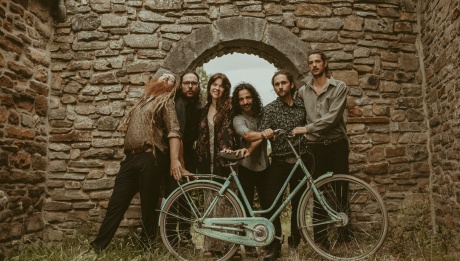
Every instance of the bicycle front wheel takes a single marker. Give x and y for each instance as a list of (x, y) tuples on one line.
[(182, 211), (363, 220)]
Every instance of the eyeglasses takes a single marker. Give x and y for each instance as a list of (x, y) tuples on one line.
[(170, 77), (193, 84)]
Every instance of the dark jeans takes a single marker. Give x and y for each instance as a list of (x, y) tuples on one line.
[(277, 175), (138, 173), (251, 180), (334, 158)]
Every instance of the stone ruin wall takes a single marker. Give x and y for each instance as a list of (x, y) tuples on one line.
[(105, 51), (440, 37), (26, 30)]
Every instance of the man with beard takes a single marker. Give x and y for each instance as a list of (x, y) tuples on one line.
[(152, 143), (247, 108), (325, 101), (286, 113), (188, 110)]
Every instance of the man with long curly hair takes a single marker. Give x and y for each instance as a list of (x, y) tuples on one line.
[(152, 143), (247, 108)]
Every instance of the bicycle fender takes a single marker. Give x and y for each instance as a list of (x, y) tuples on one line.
[(324, 176)]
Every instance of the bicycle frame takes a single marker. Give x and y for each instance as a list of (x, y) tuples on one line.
[(306, 179)]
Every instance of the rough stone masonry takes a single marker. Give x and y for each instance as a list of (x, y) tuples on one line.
[(65, 85)]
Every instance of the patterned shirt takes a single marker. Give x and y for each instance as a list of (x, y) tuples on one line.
[(140, 129), (326, 111), (279, 115), (258, 160)]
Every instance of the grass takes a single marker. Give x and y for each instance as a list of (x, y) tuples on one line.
[(410, 238)]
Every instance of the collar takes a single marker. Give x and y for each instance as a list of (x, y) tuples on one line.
[(332, 82)]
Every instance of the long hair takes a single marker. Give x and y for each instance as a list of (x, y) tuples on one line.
[(323, 57), (223, 104), (288, 76), (256, 100), (162, 93)]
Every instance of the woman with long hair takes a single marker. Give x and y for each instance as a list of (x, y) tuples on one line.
[(215, 135)]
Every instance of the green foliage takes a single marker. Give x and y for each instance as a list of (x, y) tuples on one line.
[(204, 78), (412, 235)]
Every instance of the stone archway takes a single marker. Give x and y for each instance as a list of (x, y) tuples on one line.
[(274, 43)]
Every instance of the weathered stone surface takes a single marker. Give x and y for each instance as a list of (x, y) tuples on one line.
[(313, 10), (72, 136), (143, 27), (321, 36), (107, 123), (142, 66), (82, 22), (113, 20), (38, 56), (98, 184), (87, 36), (141, 41), (148, 16)]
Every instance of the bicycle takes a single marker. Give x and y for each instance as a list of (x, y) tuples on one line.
[(189, 217)]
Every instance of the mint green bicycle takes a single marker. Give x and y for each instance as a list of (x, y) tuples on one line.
[(341, 210)]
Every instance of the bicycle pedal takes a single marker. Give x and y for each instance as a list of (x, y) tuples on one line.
[(281, 238)]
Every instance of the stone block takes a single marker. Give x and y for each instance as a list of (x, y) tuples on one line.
[(85, 22), (148, 16), (10, 230), (143, 27), (38, 56), (67, 195), (142, 66), (107, 123), (113, 20), (19, 133), (376, 169), (98, 154), (141, 41), (103, 78), (408, 62), (350, 77), (89, 46), (76, 136), (98, 184), (319, 36), (163, 5), (312, 10)]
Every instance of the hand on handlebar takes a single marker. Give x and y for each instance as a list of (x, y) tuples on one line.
[(268, 134)]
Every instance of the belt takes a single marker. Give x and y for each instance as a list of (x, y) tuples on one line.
[(325, 142), (145, 148)]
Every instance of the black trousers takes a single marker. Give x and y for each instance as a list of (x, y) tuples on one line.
[(138, 173), (251, 181), (277, 175), (334, 158)]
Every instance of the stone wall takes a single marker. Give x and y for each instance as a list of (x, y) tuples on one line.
[(65, 87), (441, 41), (26, 29), (107, 50)]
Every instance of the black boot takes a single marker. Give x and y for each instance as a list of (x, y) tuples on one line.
[(274, 251), (293, 242)]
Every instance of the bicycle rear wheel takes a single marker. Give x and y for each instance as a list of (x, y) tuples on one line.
[(364, 224), (180, 214)]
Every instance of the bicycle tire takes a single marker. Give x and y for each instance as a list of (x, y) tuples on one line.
[(366, 226), (177, 219)]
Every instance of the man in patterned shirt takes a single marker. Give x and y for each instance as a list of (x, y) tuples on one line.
[(152, 142), (286, 113)]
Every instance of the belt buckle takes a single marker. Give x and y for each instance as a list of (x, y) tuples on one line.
[(327, 142)]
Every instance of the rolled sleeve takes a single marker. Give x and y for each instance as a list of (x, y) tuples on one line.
[(172, 123), (239, 125)]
